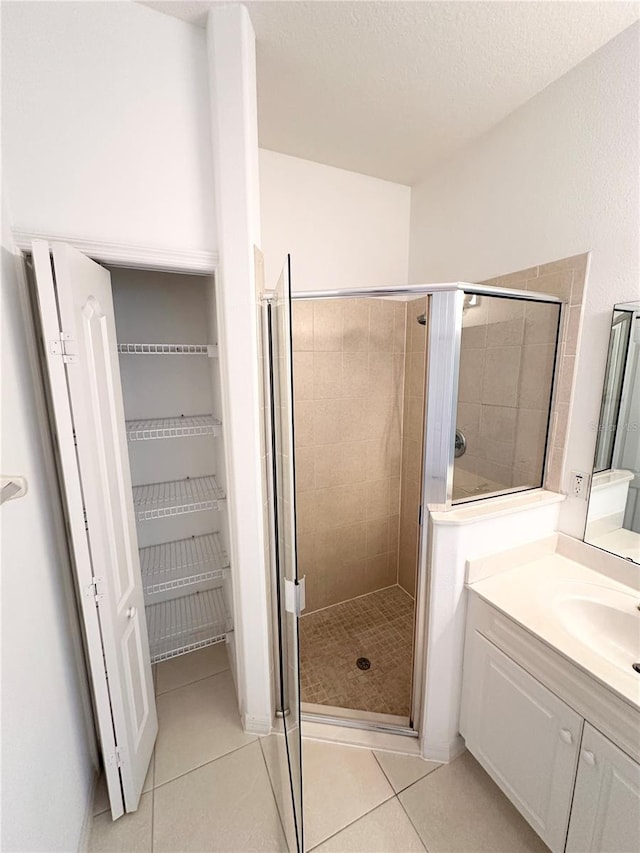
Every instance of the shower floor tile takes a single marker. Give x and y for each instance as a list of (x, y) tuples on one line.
[(377, 626)]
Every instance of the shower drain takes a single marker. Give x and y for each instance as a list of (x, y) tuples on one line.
[(363, 663)]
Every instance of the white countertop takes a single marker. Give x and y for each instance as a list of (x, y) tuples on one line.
[(567, 606)]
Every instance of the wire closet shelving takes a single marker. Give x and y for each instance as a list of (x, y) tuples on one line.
[(182, 563), (169, 349), (177, 427), (188, 623), (175, 497)]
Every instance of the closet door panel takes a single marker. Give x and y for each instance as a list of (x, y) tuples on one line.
[(85, 308)]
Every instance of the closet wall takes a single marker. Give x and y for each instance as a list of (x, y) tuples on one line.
[(175, 439)]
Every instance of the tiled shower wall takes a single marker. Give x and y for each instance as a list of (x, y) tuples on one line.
[(414, 390), (348, 384), (506, 367)]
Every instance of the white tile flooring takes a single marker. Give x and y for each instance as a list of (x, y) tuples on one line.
[(211, 787)]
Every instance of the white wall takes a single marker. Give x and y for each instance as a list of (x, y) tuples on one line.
[(341, 228), (106, 124), (47, 770), (234, 132), (558, 177)]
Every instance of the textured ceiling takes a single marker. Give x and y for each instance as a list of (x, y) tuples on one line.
[(391, 88)]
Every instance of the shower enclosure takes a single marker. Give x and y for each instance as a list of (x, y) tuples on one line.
[(399, 402)]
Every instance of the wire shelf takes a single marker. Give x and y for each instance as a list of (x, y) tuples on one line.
[(184, 624), (173, 565), (194, 494), (151, 428), (169, 349)]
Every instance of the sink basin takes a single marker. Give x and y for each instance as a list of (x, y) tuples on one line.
[(606, 620)]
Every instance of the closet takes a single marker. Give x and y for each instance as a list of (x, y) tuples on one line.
[(169, 368), (135, 405)]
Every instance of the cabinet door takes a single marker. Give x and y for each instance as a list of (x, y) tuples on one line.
[(76, 313), (524, 737), (605, 816)]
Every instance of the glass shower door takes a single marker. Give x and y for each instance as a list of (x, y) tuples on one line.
[(289, 593)]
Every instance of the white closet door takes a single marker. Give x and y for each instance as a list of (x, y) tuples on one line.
[(605, 816), (76, 307)]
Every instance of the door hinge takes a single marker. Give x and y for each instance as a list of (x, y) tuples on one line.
[(420, 515), (65, 346), (95, 589), (116, 757), (294, 596)]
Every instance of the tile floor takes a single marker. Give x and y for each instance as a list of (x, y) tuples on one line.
[(377, 626), (213, 788)]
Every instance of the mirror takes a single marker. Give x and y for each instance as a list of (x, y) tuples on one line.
[(613, 516)]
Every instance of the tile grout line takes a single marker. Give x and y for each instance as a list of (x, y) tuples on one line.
[(195, 681), (422, 841), (275, 799), (204, 764), (351, 823)]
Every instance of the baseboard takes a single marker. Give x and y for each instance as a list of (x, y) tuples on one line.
[(362, 738), (444, 752), (256, 725)]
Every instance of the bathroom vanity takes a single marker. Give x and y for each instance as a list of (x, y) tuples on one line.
[(551, 703)]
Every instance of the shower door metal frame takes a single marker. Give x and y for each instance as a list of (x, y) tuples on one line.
[(446, 302)]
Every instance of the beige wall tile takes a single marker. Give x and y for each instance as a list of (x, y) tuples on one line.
[(573, 330), (381, 322), (565, 383), (378, 537), (399, 327), (305, 469), (328, 325), (556, 283), (354, 419), (303, 375), (472, 365), (355, 333), (530, 440), (304, 422), (536, 376), (302, 331), (381, 375), (540, 323), (327, 375), (355, 374), (559, 433), (500, 377), (326, 421), (498, 423), (516, 279), (575, 262), (505, 322), (377, 499)]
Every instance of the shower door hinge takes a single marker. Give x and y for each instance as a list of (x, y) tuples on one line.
[(294, 597), (66, 347)]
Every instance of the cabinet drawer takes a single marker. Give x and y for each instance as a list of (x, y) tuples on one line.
[(524, 736)]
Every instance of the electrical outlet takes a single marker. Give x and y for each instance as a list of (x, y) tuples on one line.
[(579, 484)]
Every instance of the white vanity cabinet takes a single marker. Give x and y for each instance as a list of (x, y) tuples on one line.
[(534, 721), (606, 805), (524, 736)]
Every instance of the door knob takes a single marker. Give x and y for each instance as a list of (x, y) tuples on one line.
[(566, 735), (131, 612), (588, 757)]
